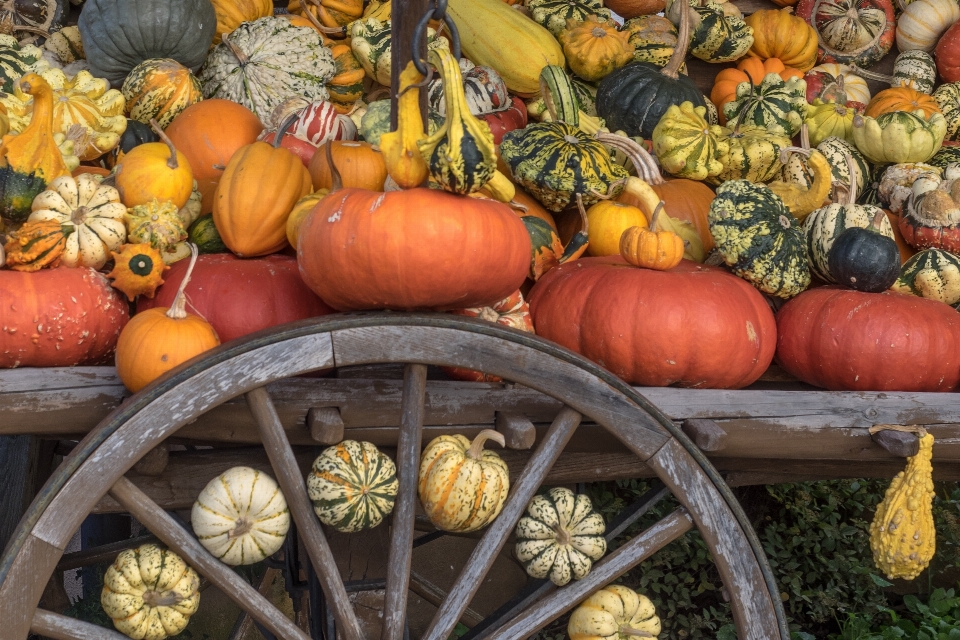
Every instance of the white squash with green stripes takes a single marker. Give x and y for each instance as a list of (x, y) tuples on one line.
[(241, 516), (353, 485), (560, 537), (933, 274), (915, 69)]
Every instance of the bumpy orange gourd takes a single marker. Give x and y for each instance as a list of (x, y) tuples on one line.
[(35, 245), (361, 166), (750, 69), (901, 99), (256, 195), (158, 340), (154, 171), (780, 34), (651, 249)]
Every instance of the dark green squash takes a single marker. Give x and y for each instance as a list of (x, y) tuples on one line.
[(947, 155), (135, 135), (120, 34), (865, 259), (634, 97), (203, 233)]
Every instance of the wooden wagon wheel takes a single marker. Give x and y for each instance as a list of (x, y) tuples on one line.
[(97, 467)]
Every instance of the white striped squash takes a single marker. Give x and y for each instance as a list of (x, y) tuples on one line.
[(241, 516), (923, 22), (353, 485), (150, 593), (560, 536), (463, 487), (915, 69)]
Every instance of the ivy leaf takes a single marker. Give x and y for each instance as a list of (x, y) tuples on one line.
[(880, 582)]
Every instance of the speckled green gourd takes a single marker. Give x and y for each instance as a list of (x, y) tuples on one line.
[(718, 37), (687, 146), (553, 14), (775, 105), (932, 274)]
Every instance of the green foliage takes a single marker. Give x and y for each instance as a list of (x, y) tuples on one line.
[(937, 619)]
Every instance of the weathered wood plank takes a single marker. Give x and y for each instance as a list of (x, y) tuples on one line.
[(54, 625)]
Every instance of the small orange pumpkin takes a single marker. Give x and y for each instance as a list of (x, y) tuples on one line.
[(777, 33), (651, 249), (750, 69), (154, 171), (901, 99), (361, 166), (595, 49), (158, 340)]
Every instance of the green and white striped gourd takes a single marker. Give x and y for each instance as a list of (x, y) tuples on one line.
[(553, 14), (371, 43), (241, 516), (717, 37), (586, 94), (946, 155), (915, 68), (774, 105), (711, 115), (933, 274), (835, 150), (560, 536), (653, 39), (947, 96), (352, 486), (17, 60), (559, 95), (262, 63)]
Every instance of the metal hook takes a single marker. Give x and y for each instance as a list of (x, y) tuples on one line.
[(423, 83), (438, 12)]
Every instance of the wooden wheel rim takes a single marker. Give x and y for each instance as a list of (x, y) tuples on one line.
[(155, 413)]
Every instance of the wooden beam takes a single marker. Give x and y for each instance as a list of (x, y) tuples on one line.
[(705, 433), (519, 432), (325, 424)]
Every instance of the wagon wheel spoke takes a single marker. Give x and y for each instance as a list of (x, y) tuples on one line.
[(401, 536), (162, 524), (294, 489), (486, 551), (607, 570), (54, 625)]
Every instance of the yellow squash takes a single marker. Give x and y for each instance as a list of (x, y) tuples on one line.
[(405, 163), (800, 200)]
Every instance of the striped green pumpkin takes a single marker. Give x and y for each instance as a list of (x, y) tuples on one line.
[(653, 39), (16, 60), (203, 233), (834, 150), (554, 161), (946, 155), (759, 238), (557, 86), (560, 536), (915, 68), (754, 154), (719, 37), (159, 88), (932, 274), (586, 95), (687, 146), (823, 226), (352, 486), (775, 105), (948, 99), (553, 14)]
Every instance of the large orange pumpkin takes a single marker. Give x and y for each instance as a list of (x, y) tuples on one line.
[(691, 326), (901, 99), (412, 249), (256, 194), (361, 165), (58, 317), (208, 134), (750, 69), (846, 340)]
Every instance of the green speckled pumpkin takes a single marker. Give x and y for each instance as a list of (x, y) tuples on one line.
[(775, 105), (16, 60), (933, 274), (718, 37), (688, 146), (553, 14), (352, 486), (946, 155), (554, 161), (948, 99), (915, 68), (754, 154), (759, 238)]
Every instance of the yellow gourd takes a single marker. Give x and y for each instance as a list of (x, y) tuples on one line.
[(608, 220), (615, 612), (405, 163), (801, 201), (902, 534)]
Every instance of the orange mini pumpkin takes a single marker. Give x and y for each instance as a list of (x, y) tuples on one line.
[(901, 99), (361, 166), (651, 249), (780, 34), (750, 69)]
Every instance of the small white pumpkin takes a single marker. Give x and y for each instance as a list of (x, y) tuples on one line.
[(560, 536), (614, 613), (150, 593), (923, 22), (91, 215), (241, 516)]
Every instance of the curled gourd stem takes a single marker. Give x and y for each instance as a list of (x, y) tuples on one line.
[(672, 68), (637, 633), (584, 221), (644, 163), (178, 310), (786, 151), (655, 218), (172, 162), (282, 129), (871, 75), (805, 137), (476, 447), (335, 179)]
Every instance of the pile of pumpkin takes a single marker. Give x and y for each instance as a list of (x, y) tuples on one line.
[(241, 518)]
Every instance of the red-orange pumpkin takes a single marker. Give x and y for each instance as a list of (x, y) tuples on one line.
[(239, 297), (58, 317), (846, 340), (513, 311), (413, 249), (691, 326)]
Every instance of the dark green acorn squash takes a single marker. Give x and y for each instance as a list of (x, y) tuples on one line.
[(759, 238), (203, 233), (634, 97), (865, 259), (120, 34)]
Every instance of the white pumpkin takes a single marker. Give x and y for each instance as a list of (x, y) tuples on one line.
[(923, 22), (91, 213), (241, 517), (150, 593), (855, 86), (560, 536), (614, 613)]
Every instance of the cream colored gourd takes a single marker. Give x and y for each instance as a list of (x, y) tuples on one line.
[(463, 487), (614, 613), (923, 22), (90, 214), (241, 516), (352, 486), (150, 593)]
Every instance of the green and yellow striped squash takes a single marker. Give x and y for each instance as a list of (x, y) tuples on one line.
[(150, 593), (915, 69), (653, 38), (554, 161), (754, 154), (586, 95), (775, 105), (16, 60), (560, 537), (346, 86), (834, 150), (353, 485), (947, 96), (932, 274), (462, 486), (159, 88), (689, 147), (557, 87), (718, 37), (553, 14), (824, 226), (66, 44), (946, 155), (759, 238), (203, 233)]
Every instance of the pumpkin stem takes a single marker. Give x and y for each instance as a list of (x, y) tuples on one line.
[(805, 136), (336, 180), (161, 598), (644, 163), (637, 633), (878, 219), (178, 310), (852, 188), (235, 50), (476, 447), (786, 151), (584, 222), (243, 527), (672, 69), (655, 218), (172, 162), (563, 536), (282, 129)]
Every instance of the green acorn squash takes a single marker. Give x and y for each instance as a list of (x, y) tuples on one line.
[(687, 146), (553, 14), (759, 239), (900, 136), (932, 274), (775, 105), (716, 37), (947, 96), (203, 233)]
